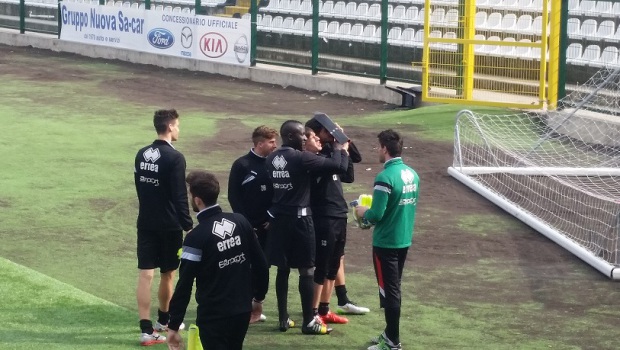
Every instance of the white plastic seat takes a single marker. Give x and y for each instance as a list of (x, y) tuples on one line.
[(368, 35), (398, 14), (412, 14), (168, 9), (524, 4), (159, 8), (616, 36), (326, 9), (293, 7), (537, 5), (524, 24), (283, 6), (420, 18), (573, 52), (287, 25), (509, 22), (374, 12), (307, 30), (537, 25), (573, 7), (344, 30), (507, 51), (177, 9), (350, 10), (394, 35), (332, 29), (322, 25), (479, 48), (609, 57), (481, 20), (247, 16), (265, 22), (305, 7), (615, 10), (276, 24), (573, 26), (591, 54), (338, 9), (606, 29), (438, 16), (298, 25), (356, 31), (587, 7), (588, 28), (523, 51), (482, 3), (418, 38), (450, 46), (435, 34), (452, 18), (407, 37), (603, 8), (494, 3), (492, 49), (270, 6), (494, 20), (135, 5), (362, 10)]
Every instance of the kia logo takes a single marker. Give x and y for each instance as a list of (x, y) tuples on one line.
[(160, 38), (213, 45), (241, 49), (187, 37)]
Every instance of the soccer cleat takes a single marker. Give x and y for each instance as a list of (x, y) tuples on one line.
[(378, 339), (262, 318), (351, 309), (316, 326), (383, 343), (158, 327), (151, 339), (331, 317), (285, 325)]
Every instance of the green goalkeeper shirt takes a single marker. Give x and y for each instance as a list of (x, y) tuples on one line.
[(394, 202)]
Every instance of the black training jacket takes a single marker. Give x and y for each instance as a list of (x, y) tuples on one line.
[(249, 188), (327, 197), (159, 175), (289, 170), (223, 255)]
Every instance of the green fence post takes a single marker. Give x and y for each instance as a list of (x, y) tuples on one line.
[(147, 4), (101, 2), (315, 37), (198, 9), (253, 15), (22, 16), (563, 48), (384, 42)]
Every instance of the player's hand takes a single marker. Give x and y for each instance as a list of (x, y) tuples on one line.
[(360, 211), (175, 341), (257, 310)]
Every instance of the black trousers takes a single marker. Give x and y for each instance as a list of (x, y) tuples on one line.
[(224, 333), (389, 264)]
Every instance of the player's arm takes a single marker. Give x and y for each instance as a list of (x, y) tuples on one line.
[(190, 267), (354, 153), (178, 190), (260, 268), (380, 195), (337, 164), (235, 187), (349, 175)]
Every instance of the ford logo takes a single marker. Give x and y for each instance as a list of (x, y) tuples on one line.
[(160, 38), (213, 45)]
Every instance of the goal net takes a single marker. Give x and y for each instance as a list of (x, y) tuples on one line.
[(558, 170)]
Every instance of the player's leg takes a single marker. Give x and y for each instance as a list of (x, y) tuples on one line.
[(335, 249), (170, 244), (277, 246), (147, 262), (345, 305), (323, 246), (238, 328), (388, 269)]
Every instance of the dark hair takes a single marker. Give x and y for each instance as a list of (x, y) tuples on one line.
[(203, 185), (314, 125), (392, 141), (162, 118), (307, 132), (263, 133)]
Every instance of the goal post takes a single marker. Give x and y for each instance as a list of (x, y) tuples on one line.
[(556, 170)]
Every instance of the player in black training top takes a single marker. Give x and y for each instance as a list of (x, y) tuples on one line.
[(249, 187), (159, 174), (291, 242), (223, 255)]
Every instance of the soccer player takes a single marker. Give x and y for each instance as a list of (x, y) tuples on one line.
[(393, 209), (159, 174), (249, 187), (223, 256), (291, 242)]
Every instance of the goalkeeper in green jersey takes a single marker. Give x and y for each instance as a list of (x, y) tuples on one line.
[(393, 208)]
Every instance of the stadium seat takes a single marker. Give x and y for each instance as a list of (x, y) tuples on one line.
[(398, 14), (362, 10), (537, 25), (479, 48), (588, 28), (494, 20), (510, 4), (350, 10), (390, 9), (326, 8), (276, 24), (159, 8), (305, 7), (616, 36), (338, 10), (307, 30), (615, 10), (374, 12), (369, 34), (591, 54), (606, 29), (609, 57), (298, 25), (293, 7), (271, 6), (247, 16), (413, 14), (332, 30), (524, 4), (509, 22), (537, 5), (587, 7), (573, 7), (438, 16), (452, 18), (523, 51), (524, 24), (394, 35), (177, 9), (356, 31), (135, 5), (573, 27), (507, 51), (141, 6), (481, 20), (322, 26), (407, 37), (573, 52), (344, 31), (494, 3), (603, 8), (435, 34), (492, 49), (450, 46), (420, 18), (482, 3), (265, 22), (418, 38), (167, 8)]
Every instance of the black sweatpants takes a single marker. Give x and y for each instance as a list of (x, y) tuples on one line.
[(224, 333)]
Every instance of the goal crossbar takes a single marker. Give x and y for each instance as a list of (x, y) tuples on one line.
[(542, 171), (601, 265)]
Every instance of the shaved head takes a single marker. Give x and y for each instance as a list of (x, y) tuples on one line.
[(292, 132)]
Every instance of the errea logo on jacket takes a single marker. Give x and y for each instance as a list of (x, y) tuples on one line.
[(408, 177), (151, 155)]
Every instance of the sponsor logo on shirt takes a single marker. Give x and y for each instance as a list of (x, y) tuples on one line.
[(239, 259), (223, 228), (149, 180), (151, 155), (407, 176)]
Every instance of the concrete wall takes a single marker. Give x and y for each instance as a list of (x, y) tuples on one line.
[(344, 85)]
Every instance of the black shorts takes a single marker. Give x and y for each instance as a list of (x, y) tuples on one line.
[(224, 333), (331, 237), (389, 264), (159, 249), (290, 242)]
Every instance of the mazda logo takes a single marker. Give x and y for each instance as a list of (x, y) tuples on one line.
[(187, 37)]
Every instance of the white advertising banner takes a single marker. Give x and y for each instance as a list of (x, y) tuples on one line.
[(209, 38)]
